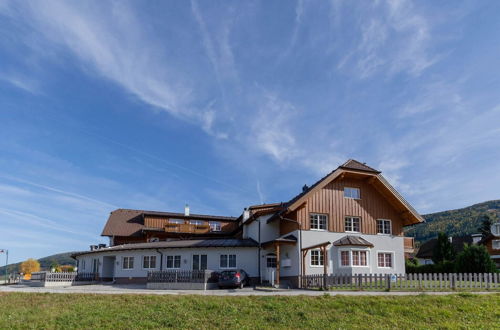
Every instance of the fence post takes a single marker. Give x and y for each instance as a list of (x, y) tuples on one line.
[(453, 281), (388, 279), (360, 281)]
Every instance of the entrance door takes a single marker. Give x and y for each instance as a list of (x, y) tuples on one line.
[(108, 268), (270, 273), (199, 261)]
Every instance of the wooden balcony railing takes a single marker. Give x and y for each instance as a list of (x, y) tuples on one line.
[(187, 228), (409, 244)]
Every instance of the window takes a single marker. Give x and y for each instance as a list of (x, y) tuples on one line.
[(495, 229), (271, 261), (149, 262), (173, 262), (197, 222), (496, 244), (353, 224), (344, 259), (199, 261), (384, 226), (359, 258), (176, 221), (128, 263), (318, 221), (83, 264), (227, 261), (215, 226), (384, 260), (317, 257), (351, 193)]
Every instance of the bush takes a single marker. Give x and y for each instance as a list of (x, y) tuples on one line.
[(474, 259)]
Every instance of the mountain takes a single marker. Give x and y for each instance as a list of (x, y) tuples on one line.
[(458, 222), (45, 262)]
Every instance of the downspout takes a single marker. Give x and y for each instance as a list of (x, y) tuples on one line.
[(161, 259), (259, 261)]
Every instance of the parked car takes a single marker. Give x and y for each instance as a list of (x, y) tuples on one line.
[(233, 278)]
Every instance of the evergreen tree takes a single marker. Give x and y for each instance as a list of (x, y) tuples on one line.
[(485, 228), (443, 251), (475, 259)]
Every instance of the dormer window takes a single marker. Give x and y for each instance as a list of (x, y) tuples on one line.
[(350, 192)]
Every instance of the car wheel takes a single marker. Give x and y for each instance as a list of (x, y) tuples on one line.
[(242, 284)]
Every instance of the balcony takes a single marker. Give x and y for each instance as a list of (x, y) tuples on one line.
[(409, 244), (187, 228)]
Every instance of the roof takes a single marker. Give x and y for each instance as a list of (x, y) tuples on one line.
[(124, 222), (426, 250), (282, 239), (353, 164), (361, 168), (178, 244), (352, 240)]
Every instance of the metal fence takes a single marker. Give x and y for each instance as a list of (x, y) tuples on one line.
[(64, 277), (416, 282), (181, 276)]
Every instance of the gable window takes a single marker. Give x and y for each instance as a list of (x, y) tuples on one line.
[(345, 259), (227, 261), (318, 221), (350, 192), (353, 224), (317, 257), (128, 263), (495, 244), (149, 262), (384, 226), (215, 226), (495, 229), (173, 262), (384, 260)]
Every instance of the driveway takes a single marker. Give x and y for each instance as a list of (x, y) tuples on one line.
[(249, 291)]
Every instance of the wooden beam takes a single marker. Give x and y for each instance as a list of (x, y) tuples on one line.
[(316, 246), (325, 260)]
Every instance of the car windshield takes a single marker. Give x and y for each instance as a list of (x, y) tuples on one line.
[(229, 273)]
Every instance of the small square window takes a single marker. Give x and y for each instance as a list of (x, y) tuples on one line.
[(353, 224), (384, 226), (215, 226), (384, 260), (344, 258), (350, 192), (173, 262), (128, 263), (318, 221), (227, 261), (149, 262), (496, 244), (317, 257)]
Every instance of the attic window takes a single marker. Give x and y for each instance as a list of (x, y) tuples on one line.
[(495, 229), (350, 192)]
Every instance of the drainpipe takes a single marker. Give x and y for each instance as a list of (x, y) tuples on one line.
[(161, 259), (259, 257)]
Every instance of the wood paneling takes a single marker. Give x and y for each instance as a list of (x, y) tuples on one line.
[(160, 222), (331, 201)]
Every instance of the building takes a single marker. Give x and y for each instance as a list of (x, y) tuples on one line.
[(350, 221), (492, 243)]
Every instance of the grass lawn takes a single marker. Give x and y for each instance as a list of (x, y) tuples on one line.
[(46, 310)]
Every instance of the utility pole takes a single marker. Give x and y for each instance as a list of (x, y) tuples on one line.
[(6, 262)]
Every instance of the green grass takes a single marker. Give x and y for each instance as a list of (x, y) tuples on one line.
[(47, 311)]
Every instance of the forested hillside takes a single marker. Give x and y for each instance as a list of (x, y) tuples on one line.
[(454, 222), (45, 262)]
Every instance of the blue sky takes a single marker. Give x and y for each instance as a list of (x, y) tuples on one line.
[(223, 104)]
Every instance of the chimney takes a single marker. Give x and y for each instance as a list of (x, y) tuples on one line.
[(186, 210), (246, 214), (304, 188), (93, 247), (476, 238)]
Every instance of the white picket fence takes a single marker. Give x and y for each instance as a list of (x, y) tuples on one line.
[(416, 282)]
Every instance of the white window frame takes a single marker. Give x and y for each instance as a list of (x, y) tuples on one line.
[(173, 261), (321, 258), (383, 226), (227, 260), (215, 224), (311, 215), (149, 261), (128, 262), (393, 260), (351, 264), (351, 217), (197, 222), (495, 229), (351, 189), (497, 242)]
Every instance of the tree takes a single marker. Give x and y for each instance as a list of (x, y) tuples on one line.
[(485, 228), (474, 259), (29, 266), (443, 251)]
